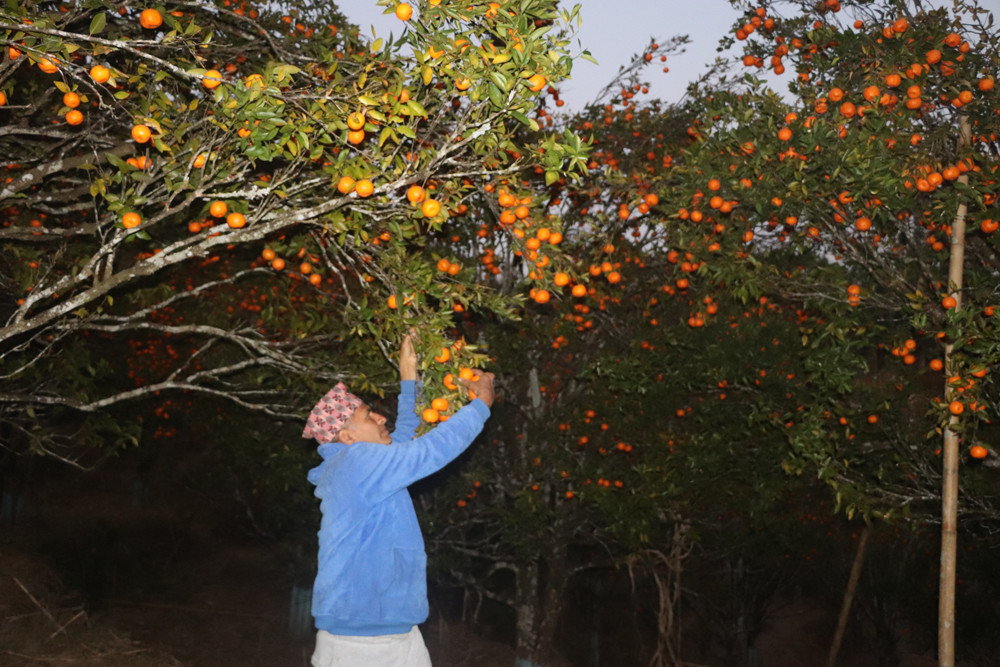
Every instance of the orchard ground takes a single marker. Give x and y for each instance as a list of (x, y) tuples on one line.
[(97, 573)]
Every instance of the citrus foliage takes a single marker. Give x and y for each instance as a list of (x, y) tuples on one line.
[(246, 194)]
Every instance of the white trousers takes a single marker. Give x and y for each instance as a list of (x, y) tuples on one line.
[(405, 650)]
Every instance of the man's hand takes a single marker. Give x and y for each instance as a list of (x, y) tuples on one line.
[(407, 358), (481, 387)]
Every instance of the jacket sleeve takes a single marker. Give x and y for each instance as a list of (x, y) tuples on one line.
[(407, 419), (385, 469)]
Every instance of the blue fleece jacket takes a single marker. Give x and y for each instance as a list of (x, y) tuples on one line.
[(372, 570)]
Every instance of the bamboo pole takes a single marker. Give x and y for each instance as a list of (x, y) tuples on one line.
[(845, 607), (949, 450)]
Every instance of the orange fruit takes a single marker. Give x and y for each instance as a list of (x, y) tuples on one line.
[(431, 415), (236, 220), (3, 98), (212, 79), (949, 302), (986, 84), (100, 73), (72, 100), (415, 194), (956, 407), (542, 296), (444, 356), (714, 184), (141, 133), (218, 209), (305, 268), (936, 364), (345, 185), (150, 19), (199, 161), (277, 264), (47, 66), (443, 265), (430, 208), (978, 452), (131, 219), (364, 187), (440, 404), (267, 254), (356, 120), (536, 82), (74, 117), (315, 279), (784, 134), (355, 137), (404, 11), (579, 291), (900, 26), (561, 279), (863, 224)]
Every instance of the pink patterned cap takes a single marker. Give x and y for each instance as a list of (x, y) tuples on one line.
[(330, 414)]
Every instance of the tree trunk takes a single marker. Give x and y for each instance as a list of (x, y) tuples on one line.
[(845, 608), (949, 450), (540, 588)]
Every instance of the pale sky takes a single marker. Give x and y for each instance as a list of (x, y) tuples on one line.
[(613, 30)]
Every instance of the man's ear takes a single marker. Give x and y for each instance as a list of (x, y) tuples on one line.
[(346, 436)]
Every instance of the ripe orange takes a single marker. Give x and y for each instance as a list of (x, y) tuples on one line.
[(430, 208), (72, 100), (212, 79), (949, 302), (305, 268), (986, 84), (100, 73), (47, 66), (150, 19), (267, 254), (74, 117), (236, 220), (714, 184), (956, 407), (863, 224), (443, 265), (218, 209), (978, 452), (579, 291), (440, 404), (315, 279), (784, 134), (356, 120), (893, 80), (561, 279), (141, 133), (444, 356), (542, 296), (345, 185), (131, 219), (355, 137), (989, 226), (364, 187), (900, 26), (415, 194), (199, 161), (277, 264), (3, 98), (536, 82), (431, 415), (936, 364), (404, 11)]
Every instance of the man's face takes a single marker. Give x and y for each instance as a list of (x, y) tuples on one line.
[(365, 426)]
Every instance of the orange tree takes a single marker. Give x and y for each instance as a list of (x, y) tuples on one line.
[(838, 204), (228, 200), (852, 195)]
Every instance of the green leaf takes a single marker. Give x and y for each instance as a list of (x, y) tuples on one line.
[(97, 23)]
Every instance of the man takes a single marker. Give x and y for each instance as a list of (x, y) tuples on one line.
[(370, 591)]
